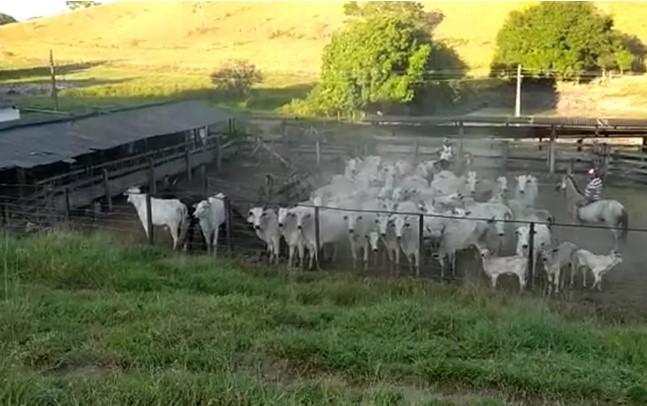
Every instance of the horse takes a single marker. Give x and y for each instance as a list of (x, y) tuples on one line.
[(610, 212)]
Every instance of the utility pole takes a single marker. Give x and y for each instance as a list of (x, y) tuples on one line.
[(517, 102), (52, 72)]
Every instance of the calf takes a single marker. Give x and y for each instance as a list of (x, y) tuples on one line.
[(287, 222), (170, 213), (265, 224), (554, 261), (211, 215), (497, 266), (598, 264)]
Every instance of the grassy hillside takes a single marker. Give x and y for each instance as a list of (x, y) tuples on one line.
[(88, 321), (158, 49)]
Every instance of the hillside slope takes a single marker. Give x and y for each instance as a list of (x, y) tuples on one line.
[(279, 37)]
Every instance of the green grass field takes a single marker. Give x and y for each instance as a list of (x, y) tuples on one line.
[(89, 321)]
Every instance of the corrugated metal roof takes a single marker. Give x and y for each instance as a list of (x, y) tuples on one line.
[(29, 145)]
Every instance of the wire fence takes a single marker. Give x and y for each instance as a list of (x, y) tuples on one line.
[(238, 237)]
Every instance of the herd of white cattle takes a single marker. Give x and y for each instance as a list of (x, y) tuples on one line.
[(382, 206)]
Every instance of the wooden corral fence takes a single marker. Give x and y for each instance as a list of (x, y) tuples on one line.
[(537, 146)]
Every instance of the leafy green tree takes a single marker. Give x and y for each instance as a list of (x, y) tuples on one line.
[(79, 4), (558, 39), (6, 19), (381, 59), (625, 59)]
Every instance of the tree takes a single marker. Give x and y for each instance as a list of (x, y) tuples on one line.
[(556, 39), (6, 19), (236, 78), (625, 59), (406, 9), (80, 4), (382, 59)]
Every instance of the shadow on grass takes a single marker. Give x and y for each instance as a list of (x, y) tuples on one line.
[(39, 71), (79, 99)]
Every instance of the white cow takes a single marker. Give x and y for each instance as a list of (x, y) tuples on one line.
[(332, 229), (211, 214), (287, 222), (170, 213), (266, 225), (454, 234), (598, 264), (406, 226), (542, 241), (360, 225)]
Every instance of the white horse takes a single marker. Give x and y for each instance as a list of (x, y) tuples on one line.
[(610, 212)]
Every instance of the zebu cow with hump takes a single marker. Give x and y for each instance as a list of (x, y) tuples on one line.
[(170, 213), (266, 226), (287, 222), (211, 215)]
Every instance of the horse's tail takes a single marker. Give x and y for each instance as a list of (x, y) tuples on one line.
[(624, 224)]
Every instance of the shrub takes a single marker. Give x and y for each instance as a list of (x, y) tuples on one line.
[(236, 78)]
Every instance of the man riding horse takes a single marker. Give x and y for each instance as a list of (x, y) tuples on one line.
[(593, 191)]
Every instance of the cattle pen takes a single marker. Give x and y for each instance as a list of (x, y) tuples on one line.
[(299, 155)]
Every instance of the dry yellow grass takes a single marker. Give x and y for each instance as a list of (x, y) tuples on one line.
[(279, 37), (175, 45)]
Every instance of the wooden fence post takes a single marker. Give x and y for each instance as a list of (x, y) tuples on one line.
[(6, 215), (317, 236), (187, 157), (506, 155), (205, 180), (218, 153), (318, 152), (551, 150), (421, 251), (106, 189), (152, 182), (228, 211), (67, 204), (461, 136), (531, 254), (22, 181), (149, 219)]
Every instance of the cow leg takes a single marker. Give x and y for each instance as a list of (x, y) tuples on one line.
[(584, 269), (365, 253), (397, 261), (573, 271), (174, 236), (300, 251), (556, 279), (290, 255), (353, 251), (417, 263)]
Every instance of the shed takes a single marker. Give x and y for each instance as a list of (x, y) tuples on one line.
[(33, 150)]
